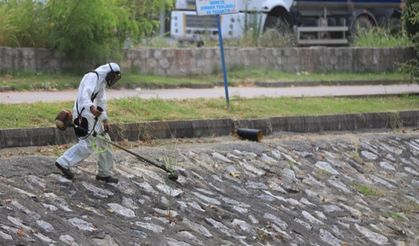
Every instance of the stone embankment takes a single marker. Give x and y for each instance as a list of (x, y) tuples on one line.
[(347, 189), (174, 62)]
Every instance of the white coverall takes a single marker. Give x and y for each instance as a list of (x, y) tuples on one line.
[(89, 85)]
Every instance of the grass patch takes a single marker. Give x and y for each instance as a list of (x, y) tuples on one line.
[(395, 215), (408, 207), (355, 155), (139, 110), (39, 81), (268, 75), (367, 190), (323, 174), (381, 38), (55, 81)]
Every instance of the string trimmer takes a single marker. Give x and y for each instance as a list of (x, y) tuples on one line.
[(172, 173)]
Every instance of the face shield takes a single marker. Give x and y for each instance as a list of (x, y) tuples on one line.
[(112, 77)]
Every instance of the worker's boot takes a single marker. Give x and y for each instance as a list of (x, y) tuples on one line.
[(66, 172), (108, 179)]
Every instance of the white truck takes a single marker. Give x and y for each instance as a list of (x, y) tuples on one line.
[(326, 22)]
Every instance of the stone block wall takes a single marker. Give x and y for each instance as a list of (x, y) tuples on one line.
[(207, 60), (33, 59)]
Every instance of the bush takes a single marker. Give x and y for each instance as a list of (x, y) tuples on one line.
[(7, 30), (273, 38), (411, 22), (411, 17), (146, 13), (93, 30), (21, 24)]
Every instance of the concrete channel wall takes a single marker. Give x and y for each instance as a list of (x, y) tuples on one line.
[(217, 127), (207, 61)]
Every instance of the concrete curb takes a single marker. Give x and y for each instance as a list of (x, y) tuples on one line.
[(280, 84), (331, 83), (216, 127)]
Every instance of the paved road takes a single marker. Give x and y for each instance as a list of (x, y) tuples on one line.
[(248, 92)]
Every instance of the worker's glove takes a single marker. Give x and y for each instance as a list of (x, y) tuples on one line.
[(95, 111)]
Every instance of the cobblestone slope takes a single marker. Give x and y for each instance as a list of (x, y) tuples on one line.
[(353, 189)]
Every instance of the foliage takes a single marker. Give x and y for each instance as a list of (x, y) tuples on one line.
[(367, 190), (255, 36), (84, 30), (145, 13), (273, 38), (159, 42), (94, 29), (411, 17), (381, 38), (411, 22), (21, 23), (396, 215), (252, 29), (7, 30)]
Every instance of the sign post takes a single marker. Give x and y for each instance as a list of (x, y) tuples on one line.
[(217, 8), (223, 63)]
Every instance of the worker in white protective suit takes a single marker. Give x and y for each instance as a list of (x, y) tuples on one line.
[(90, 118)]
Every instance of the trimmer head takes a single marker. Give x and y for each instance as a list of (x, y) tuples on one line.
[(173, 175)]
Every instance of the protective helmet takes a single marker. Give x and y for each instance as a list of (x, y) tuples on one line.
[(113, 75)]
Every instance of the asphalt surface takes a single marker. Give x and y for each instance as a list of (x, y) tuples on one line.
[(217, 92)]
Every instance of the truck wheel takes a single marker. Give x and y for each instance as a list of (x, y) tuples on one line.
[(362, 23), (278, 23)]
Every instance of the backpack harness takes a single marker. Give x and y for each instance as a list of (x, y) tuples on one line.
[(80, 122)]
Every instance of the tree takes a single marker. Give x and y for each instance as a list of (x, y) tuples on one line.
[(146, 13), (94, 29)]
